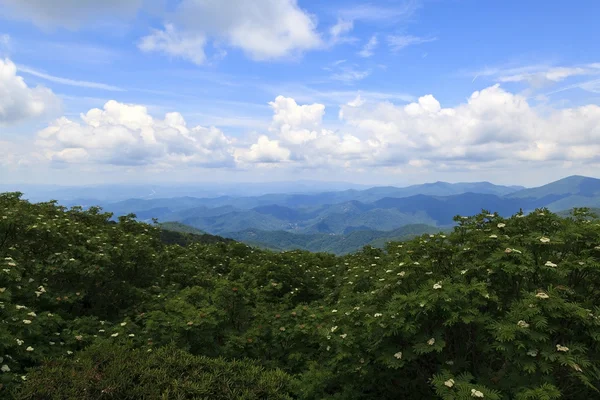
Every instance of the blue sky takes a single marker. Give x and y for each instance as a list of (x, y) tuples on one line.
[(394, 92)]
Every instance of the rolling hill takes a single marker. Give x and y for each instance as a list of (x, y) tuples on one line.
[(336, 244), (323, 219)]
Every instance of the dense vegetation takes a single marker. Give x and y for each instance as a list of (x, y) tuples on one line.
[(501, 308)]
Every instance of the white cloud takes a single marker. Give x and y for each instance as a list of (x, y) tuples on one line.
[(350, 75), (264, 29), (70, 14), (398, 42), (265, 151), (338, 30), (369, 47), (185, 45), (294, 123), (372, 13), (125, 134), (539, 75), (493, 126), (493, 130), (299, 129), (19, 102), (69, 82)]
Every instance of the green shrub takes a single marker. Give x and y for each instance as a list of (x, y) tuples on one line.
[(109, 371)]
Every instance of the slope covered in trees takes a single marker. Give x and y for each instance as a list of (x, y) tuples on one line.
[(501, 308)]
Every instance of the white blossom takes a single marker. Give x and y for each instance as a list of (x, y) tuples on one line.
[(550, 264), (5, 368), (431, 342), (561, 348), (522, 324), (29, 348), (542, 295), (398, 355), (449, 383), (544, 240), (501, 225), (476, 393), (438, 285)]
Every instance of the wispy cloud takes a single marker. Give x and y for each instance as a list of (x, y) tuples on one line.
[(398, 42), (538, 75), (350, 75), (590, 86), (307, 94), (338, 31), (4, 40), (69, 82), (377, 13), (368, 49)]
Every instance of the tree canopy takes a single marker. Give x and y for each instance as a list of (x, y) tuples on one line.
[(500, 308)]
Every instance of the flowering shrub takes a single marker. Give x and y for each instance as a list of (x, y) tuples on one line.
[(502, 308)]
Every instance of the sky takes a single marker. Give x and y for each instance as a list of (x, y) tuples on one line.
[(374, 92)]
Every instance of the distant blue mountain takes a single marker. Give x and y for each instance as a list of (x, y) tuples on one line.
[(347, 212)]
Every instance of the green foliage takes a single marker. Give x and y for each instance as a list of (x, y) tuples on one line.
[(183, 235), (497, 309), (108, 370)]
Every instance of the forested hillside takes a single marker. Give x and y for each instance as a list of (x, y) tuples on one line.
[(500, 308), (336, 244), (284, 221)]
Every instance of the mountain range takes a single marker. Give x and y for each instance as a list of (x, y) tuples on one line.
[(339, 221)]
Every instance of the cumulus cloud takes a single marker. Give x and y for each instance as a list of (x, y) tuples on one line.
[(299, 129), (296, 124), (125, 134), (264, 29), (492, 129), (264, 151), (493, 125), (69, 13), (19, 102)]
